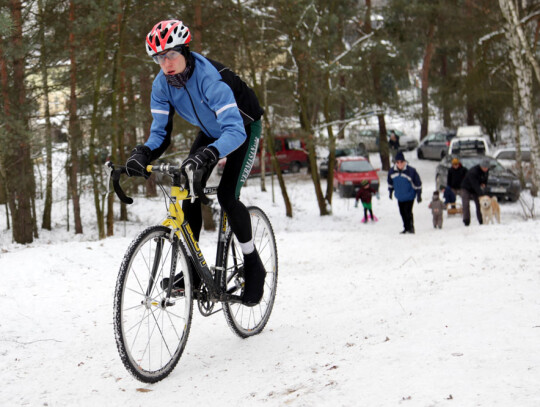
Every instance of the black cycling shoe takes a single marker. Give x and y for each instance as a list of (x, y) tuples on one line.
[(178, 285), (254, 275)]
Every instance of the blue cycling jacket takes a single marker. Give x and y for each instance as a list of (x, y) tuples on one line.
[(206, 101), (406, 184)]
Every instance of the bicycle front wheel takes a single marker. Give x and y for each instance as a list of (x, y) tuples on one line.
[(152, 328), (248, 321)]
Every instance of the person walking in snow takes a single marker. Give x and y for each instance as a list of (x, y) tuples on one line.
[(437, 209), (405, 183), (364, 194), (393, 143)]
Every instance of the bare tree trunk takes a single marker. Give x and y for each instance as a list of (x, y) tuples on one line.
[(75, 135), (117, 136), (428, 54), (511, 15), (383, 135), (146, 90), (121, 130), (17, 163), (447, 117), (258, 88), (341, 133), (517, 136), (206, 211), (46, 222), (303, 85), (331, 141), (277, 168), (523, 74), (376, 78), (469, 109), (95, 175), (197, 26), (266, 132)]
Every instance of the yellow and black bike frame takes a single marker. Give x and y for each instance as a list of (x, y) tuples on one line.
[(180, 227)]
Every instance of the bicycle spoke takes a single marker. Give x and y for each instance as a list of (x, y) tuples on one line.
[(133, 307), (247, 321), (139, 324), (151, 330)]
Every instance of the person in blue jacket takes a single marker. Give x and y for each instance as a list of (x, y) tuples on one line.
[(405, 183), (212, 97)]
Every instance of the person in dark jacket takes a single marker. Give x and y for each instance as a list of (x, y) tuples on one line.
[(364, 194), (393, 143), (472, 187), (456, 173), (405, 183), (212, 97)]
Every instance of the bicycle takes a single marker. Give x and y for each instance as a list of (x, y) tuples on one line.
[(152, 317)]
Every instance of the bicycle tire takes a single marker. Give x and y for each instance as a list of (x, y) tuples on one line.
[(150, 334), (248, 321)]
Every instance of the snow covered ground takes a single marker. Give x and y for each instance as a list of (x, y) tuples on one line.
[(364, 316)]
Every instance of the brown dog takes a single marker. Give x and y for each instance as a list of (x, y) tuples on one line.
[(489, 206)]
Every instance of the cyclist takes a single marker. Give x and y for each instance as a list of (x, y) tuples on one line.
[(208, 95)]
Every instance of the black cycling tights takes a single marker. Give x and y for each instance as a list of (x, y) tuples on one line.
[(237, 213)]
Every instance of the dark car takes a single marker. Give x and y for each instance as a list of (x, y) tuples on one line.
[(502, 183), (435, 145), (341, 152), (369, 139)]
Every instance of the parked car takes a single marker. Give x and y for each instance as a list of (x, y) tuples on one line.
[(342, 152), (435, 145), (507, 157), (502, 183), (350, 172), (469, 145), (290, 152), (369, 139), (470, 131)]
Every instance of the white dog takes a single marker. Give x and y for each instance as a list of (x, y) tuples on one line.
[(489, 206)]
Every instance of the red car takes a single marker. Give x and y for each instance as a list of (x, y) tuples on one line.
[(290, 152), (350, 172)]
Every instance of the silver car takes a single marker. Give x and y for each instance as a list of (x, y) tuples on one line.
[(368, 139), (435, 145)]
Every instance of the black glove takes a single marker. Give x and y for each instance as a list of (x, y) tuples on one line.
[(204, 157), (390, 194), (418, 198), (137, 162)]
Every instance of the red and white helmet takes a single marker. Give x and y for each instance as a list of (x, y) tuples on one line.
[(167, 35)]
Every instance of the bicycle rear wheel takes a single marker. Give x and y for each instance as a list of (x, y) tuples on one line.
[(248, 321), (151, 329)]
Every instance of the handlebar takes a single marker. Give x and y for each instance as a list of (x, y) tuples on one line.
[(115, 176), (194, 178)]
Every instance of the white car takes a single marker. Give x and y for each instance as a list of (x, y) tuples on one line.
[(470, 145)]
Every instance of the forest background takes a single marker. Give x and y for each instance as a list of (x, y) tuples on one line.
[(75, 75)]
